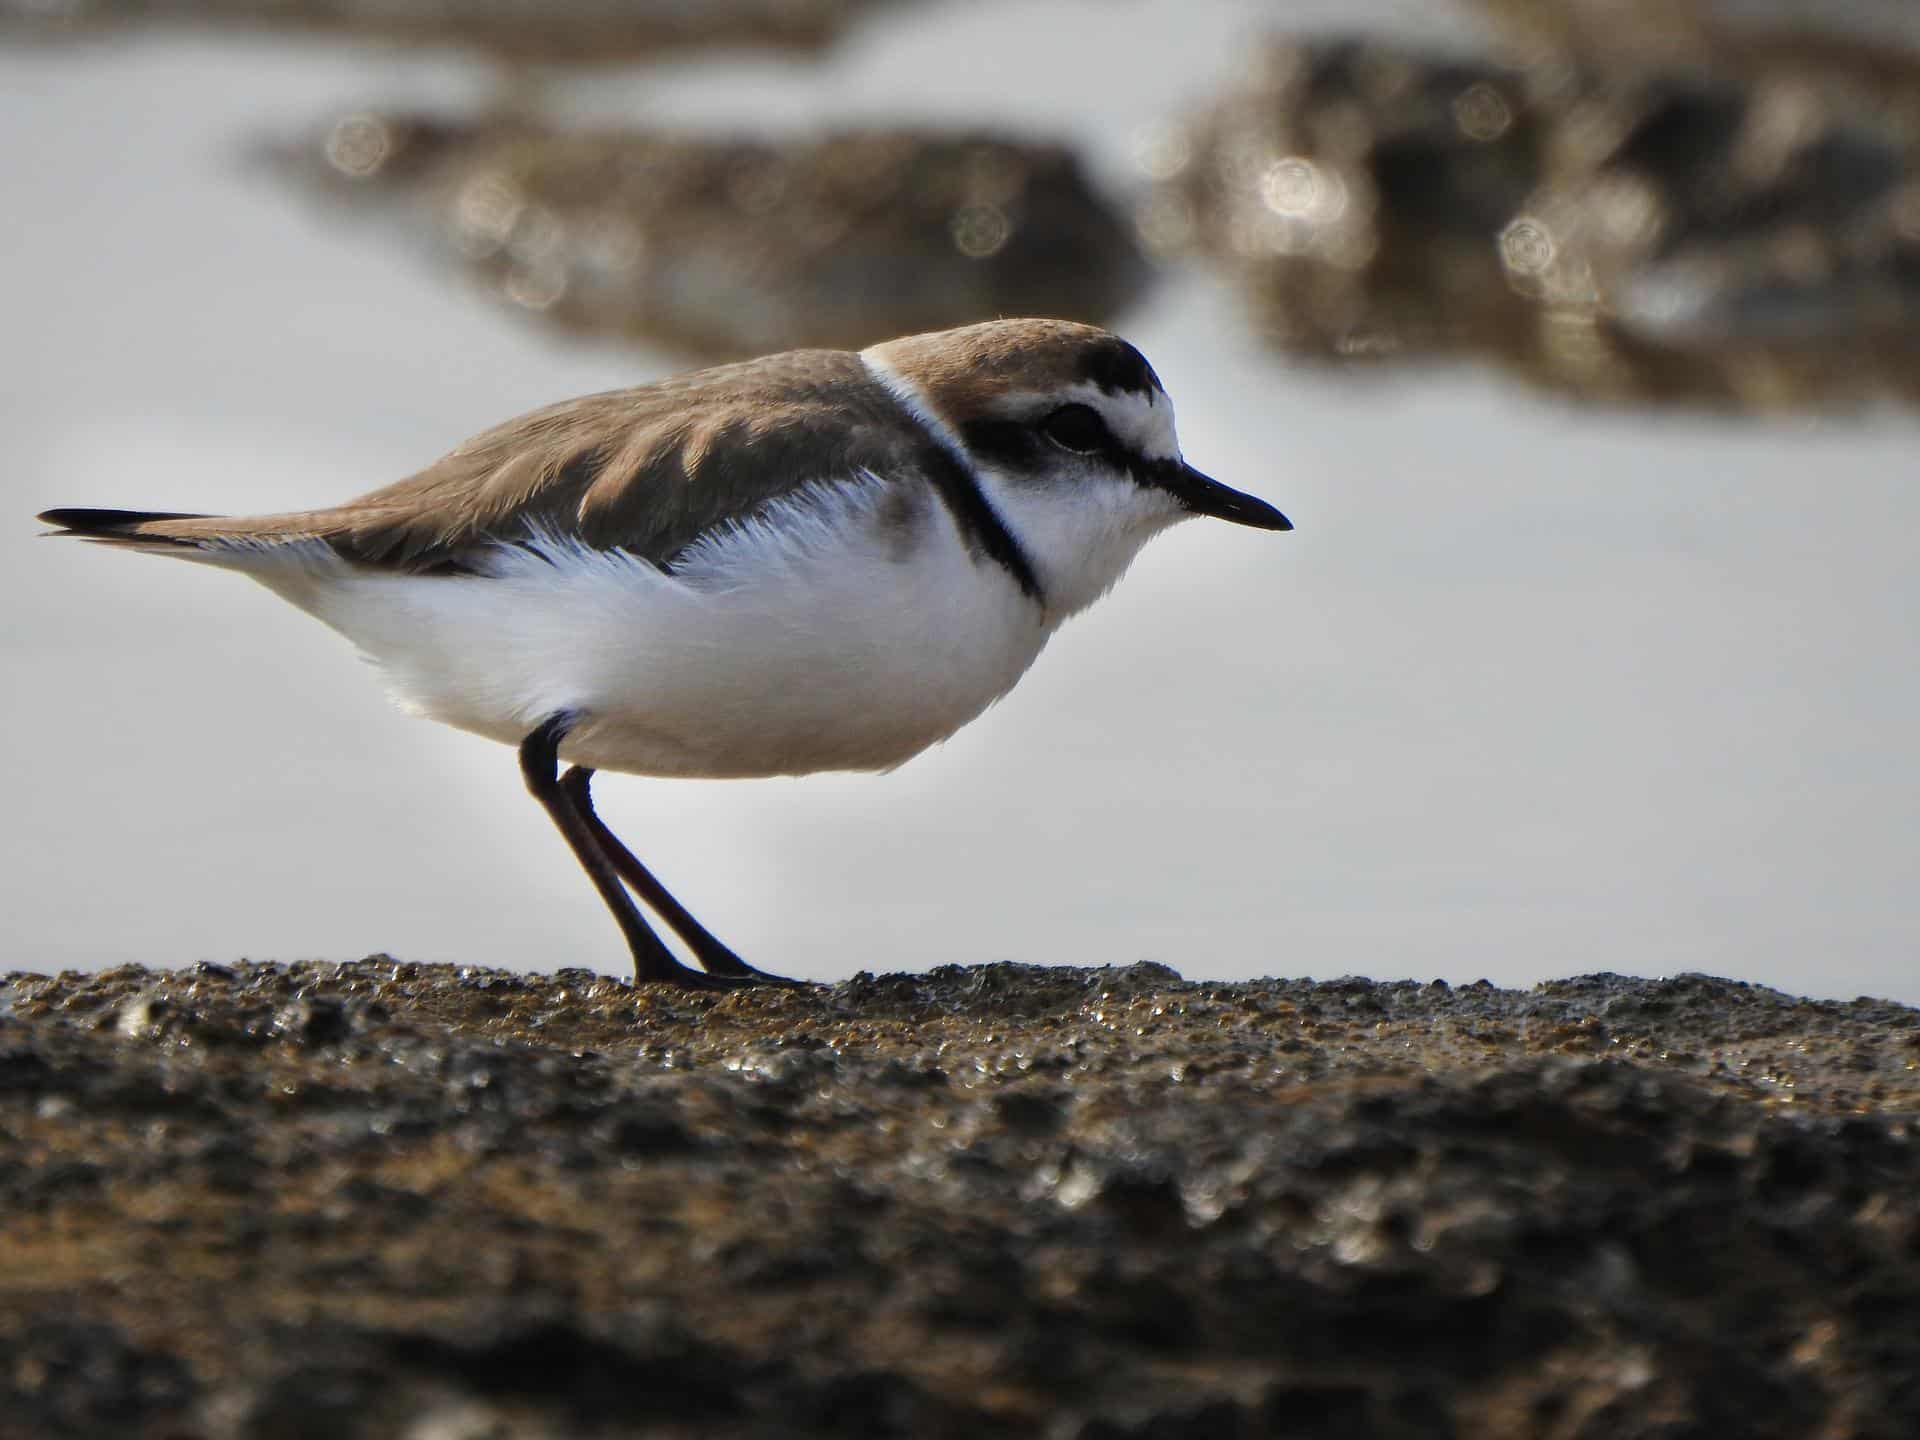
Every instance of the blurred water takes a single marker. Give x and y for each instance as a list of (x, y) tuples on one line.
[(1530, 691)]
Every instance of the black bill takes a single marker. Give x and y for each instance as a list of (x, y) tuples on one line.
[(1204, 496)]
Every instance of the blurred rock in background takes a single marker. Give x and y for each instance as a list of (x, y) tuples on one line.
[(564, 31), (1854, 42), (1709, 201), (729, 248), (1622, 234)]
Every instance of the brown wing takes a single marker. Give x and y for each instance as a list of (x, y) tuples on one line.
[(647, 470)]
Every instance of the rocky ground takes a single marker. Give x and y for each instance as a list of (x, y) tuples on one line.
[(382, 1199)]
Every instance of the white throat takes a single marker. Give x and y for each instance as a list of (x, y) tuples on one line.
[(1080, 537)]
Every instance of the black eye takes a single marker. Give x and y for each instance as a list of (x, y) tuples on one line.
[(1078, 428)]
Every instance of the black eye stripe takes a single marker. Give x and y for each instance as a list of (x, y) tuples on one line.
[(1078, 428), (1003, 442), (1022, 450)]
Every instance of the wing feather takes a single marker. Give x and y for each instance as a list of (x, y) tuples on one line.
[(647, 471)]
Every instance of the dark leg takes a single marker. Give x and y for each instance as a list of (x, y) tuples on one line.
[(708, 950), (540, 764)]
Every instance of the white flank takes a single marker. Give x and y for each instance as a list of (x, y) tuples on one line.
[(822, 633)]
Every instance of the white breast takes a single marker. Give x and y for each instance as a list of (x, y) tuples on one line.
[(844, 628)]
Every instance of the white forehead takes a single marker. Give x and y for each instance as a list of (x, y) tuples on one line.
[(1142, 421)]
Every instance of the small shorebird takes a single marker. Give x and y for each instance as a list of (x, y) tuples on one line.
[(813, 561)]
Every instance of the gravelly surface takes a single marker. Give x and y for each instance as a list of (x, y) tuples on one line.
[(382, 1199)]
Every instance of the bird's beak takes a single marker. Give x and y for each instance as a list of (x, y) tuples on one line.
[(1204, 496)]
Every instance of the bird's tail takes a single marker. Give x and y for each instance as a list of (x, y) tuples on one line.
[(137, 529), (239, 541)]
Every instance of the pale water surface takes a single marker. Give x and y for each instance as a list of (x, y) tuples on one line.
[(1531, 691)]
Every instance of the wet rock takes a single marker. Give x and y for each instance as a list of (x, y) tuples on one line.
[(1124, 1205), (556, 31), (643, 1130), (728, 248), (1741, 238), (313, 1022), (1030, 1111), (74, 1379)]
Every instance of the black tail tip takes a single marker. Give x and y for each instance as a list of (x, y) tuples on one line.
[(80, 520)]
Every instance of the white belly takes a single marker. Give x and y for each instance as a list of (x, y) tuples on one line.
[(829, 634)]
